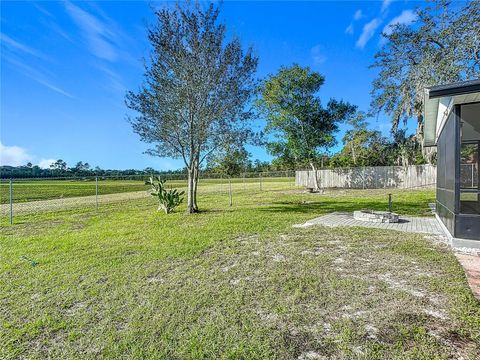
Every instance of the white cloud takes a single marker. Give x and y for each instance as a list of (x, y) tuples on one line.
[(16, 46), (42, 10), (386, 4), (407, 17), (99, 35), (349, 29), (367, 33), (18, 156), (37, 76), (45, 163), (14, 54), (115, 82), (358, 14), (13, 155), (56, 28), (317, 55)]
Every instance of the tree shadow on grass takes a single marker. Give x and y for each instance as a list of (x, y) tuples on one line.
[(323, 207), (202, 211), (342, 206)]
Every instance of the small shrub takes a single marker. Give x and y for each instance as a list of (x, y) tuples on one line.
[(168, 199)]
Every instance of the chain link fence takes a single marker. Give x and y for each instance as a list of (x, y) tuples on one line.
[(23, 197), (39, 195)]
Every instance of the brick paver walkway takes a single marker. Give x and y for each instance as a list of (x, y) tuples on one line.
[(428, 225), (471, 264)]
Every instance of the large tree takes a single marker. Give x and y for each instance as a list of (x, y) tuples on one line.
[(196, 90), (442, 46), (299, 127)]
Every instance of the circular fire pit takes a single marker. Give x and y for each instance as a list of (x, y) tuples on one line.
[(376, 216)]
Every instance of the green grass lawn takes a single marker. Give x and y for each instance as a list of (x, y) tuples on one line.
[(238, 282)]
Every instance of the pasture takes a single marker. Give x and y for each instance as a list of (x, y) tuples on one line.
[(45, 189), (34, 190), (231, 282)]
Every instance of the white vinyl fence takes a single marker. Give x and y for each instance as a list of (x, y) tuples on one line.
[(370, 177)]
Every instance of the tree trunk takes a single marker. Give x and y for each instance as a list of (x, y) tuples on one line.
[(192, 190), (315, 176), (195, 186), (419, 133)]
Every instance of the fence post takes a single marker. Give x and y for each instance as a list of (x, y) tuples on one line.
[(11, 201), (230, 190), (472, 176), (260, 174), (244, 188), (96, 192), (363, 177)]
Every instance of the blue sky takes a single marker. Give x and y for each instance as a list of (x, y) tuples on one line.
[(65, 67)]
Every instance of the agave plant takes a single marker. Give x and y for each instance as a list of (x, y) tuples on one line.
[(168, 199)]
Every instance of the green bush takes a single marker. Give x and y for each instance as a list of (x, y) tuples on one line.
[(168, 199)]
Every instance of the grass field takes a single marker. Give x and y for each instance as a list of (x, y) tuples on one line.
[(236, 282), (35, 190)]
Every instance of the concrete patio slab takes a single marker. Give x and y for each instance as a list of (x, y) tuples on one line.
[(427, 225)]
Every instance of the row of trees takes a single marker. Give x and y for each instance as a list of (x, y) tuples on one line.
[(368, 148), (232, 165), (361, 147), (60, 169), (364, 147)]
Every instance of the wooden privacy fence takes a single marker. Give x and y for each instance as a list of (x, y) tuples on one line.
[(370, 177)]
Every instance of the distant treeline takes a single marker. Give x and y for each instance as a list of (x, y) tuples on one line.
[(361, 147), (60, 169), (367, 148)]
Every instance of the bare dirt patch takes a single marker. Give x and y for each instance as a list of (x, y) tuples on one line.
[(322, 292)]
